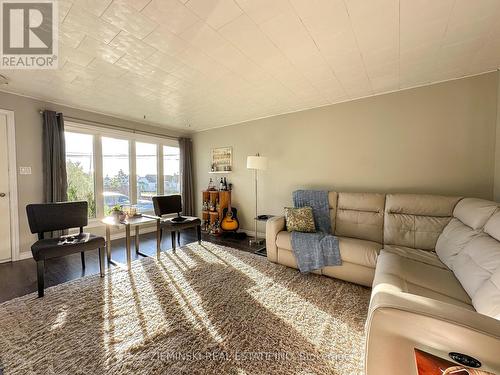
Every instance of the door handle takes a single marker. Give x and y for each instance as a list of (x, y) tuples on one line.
[(2, 195)]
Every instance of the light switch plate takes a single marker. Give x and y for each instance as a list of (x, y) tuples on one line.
[(24, 170)]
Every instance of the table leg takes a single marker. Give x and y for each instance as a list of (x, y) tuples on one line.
[(158, 239), (108, 243), (198, 231), (128, 246), (172, 233), (137, 239)]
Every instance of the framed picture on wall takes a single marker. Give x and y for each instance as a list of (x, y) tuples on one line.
[(222, 159)]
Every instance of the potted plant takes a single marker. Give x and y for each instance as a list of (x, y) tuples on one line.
[(118, 213)]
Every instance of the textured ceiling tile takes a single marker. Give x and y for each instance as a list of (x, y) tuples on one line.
[(96, 7), (171, 14), (101, 50), (129, 44), (129, 19), (216, 13), (165, 41), (91, 25)]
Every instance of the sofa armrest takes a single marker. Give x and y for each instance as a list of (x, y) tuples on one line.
[(273, 226), (400, 322)]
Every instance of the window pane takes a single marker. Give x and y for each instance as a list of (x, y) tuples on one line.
[(147, 177), (171, 170), (80, 168), (115, 168)]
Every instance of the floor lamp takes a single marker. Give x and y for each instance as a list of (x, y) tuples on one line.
[(257, 163)]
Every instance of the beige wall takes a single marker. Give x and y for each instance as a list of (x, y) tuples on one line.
[(435, 139), (497, 154), (29, 148)]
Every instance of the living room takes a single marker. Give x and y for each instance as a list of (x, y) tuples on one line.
[(250, 187)]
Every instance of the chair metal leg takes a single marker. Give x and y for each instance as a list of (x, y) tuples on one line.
[(101, 261), (179, 238), (40, 272), (173, 239), (198, 231), (82, 254)]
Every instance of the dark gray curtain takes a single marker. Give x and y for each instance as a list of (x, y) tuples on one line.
[(55, 184), (186, 171)]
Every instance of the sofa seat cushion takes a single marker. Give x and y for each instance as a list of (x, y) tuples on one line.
[(424, 256), (352, 250), (397, 273)]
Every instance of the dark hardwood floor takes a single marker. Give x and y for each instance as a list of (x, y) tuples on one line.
[(19, 278)]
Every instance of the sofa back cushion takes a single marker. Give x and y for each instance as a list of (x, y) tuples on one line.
[(360, 215), (416, 220), (474, 212), (470, 246), (469, 217), (475, 264)]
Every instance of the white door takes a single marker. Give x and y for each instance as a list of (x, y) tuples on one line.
[(5, 240)]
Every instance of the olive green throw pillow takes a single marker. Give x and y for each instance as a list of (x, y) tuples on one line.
[(299, 219)]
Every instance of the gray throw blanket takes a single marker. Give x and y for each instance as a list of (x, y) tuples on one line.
[(315, 250)]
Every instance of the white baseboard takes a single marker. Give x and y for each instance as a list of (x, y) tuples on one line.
[(25, 255)]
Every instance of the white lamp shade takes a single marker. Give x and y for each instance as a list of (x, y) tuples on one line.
[(257, 162)]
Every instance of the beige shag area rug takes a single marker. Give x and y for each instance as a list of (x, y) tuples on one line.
[(205, 309)]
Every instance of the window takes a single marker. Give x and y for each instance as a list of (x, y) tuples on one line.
[(115, 172), (171, 182), (80, 169), (147, 175), (131, 168)]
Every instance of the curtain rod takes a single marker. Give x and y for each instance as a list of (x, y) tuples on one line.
[(116, 127)]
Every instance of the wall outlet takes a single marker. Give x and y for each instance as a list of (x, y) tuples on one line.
[(24, 170)]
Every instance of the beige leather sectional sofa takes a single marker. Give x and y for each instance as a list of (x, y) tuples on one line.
[(434, 265)]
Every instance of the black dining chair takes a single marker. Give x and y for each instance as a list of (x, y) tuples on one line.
[(172, 204), (50, 217)]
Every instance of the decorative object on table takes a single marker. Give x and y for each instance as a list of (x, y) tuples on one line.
[(130, 211), (49, 217), (222, 159), (299, 219), (257, 163), (117, 213), (229, 221)]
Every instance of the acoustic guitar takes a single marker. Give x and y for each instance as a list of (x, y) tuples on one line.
[(229, 222)]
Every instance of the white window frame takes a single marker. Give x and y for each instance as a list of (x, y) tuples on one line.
[(99, 132)]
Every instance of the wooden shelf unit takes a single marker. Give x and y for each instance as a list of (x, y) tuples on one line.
[(223, 197)]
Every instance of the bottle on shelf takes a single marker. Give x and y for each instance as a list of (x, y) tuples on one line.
[(211, 185)]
